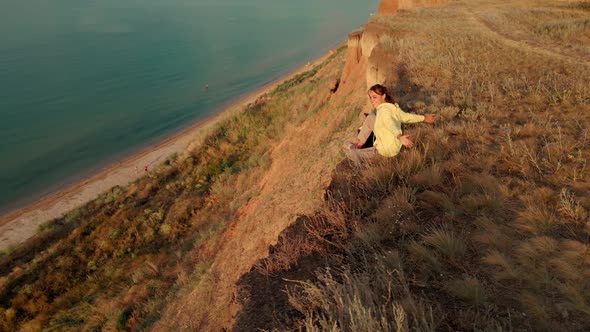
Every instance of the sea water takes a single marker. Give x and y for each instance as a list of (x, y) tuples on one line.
[(84, 83)]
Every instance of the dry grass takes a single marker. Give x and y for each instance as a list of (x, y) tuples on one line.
[(361, 301), (562, 26), (497, 193)]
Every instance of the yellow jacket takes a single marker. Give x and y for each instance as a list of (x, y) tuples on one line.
[(388, 125)]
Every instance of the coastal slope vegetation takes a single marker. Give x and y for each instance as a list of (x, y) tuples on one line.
[(123, 259), (483, 225)]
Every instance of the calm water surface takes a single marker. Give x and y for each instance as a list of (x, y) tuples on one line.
[(84, 83)]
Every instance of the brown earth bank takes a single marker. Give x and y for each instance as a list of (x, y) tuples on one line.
[(388, 7)]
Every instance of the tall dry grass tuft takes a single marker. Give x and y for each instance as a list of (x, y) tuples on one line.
[(396, 207), (429, 178), (491, 234), (537, 217), (506, 270), (373, 299), (468, 289), (438, 205), (569, 207), (447, 243)]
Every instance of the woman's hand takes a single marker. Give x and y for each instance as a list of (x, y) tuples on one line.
[(429, 118), (406, 141)]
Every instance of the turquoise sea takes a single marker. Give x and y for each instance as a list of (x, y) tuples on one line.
[(84, 83)]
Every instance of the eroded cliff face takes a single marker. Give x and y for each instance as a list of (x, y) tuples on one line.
[(363, 62), (355, 64), (387, 7), (374, 39), (367, 57)]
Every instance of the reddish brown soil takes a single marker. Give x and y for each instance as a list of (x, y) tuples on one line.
[(387, 7)]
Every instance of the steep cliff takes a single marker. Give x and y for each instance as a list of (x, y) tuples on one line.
[(366, 52), (388, 7)]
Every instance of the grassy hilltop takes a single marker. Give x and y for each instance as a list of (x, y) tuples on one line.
[(483, 225)]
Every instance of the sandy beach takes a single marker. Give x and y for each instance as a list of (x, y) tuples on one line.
[(19, 225)]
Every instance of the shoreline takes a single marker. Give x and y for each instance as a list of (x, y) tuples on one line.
[(18, 225)]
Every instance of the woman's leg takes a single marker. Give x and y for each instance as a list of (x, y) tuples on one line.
[(358, 155)]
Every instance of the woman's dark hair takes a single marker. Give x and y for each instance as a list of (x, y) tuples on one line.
[(381, 90)]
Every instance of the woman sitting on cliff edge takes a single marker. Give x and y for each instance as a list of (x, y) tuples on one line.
[(388, 126)]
